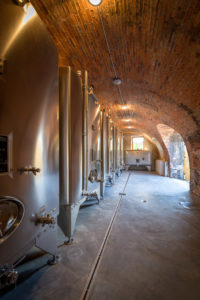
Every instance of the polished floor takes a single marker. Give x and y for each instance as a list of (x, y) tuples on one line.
[(140, 245)]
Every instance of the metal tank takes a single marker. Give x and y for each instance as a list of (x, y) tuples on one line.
[(71, 112), (122, 150), (104, 152), (118, 152), (111, 154), (92, 163), (111, 137), (29, 178), (80, 147), (114, 152)]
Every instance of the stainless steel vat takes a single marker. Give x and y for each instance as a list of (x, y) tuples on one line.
[(122, 150), (80, 147), (70, 107), (111, 151), (92, 164), (111, 142), (29, 181), (94, 145), (118, 151), (104, 151)]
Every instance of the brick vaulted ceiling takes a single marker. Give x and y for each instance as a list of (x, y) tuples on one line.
[(155, 46)]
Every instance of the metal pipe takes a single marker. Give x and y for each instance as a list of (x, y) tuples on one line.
[(114, 148), (108, 128), (102, 144), (83, 138), (85, 133), (64, 131), (122, 148), (70, 88)]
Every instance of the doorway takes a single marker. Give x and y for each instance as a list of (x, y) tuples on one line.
[(179, 166)]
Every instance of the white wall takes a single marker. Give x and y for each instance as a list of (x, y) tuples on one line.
[(131, 157), (149, 147)]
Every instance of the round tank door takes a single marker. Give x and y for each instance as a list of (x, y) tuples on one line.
[(11, 214)]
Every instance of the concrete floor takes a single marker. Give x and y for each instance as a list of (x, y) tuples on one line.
[(153, 250)]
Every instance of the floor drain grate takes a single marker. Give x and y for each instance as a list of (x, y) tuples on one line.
[(190, 205), (143, 200)]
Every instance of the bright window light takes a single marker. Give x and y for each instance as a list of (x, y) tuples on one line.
[(124, 107), (138, 143), (95, 2)]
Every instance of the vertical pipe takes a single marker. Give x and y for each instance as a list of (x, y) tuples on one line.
[(69, 140), (114, 149), (70, 132), (109, 146), (85, 133), (83, 138), (117, 148), (87, 150), (102, 144), (122, 148), (64, 132)]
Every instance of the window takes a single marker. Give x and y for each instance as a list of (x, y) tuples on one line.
[(137, 143)]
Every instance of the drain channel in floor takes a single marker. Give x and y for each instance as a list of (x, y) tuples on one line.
[(103, 245)]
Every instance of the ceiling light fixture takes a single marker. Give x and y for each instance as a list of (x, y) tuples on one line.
[(117, 81), (124, 107), (127, 120), (95, 2)]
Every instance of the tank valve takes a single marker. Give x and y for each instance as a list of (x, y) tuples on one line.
[(8, 276), (93, 176), (29, 169), (46, 220), (100, 180), (91, 196), (12, 276)]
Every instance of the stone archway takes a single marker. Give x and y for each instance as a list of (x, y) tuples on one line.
[(179, 166)]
